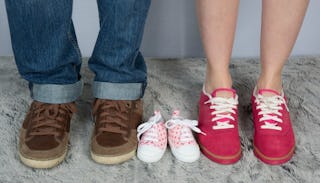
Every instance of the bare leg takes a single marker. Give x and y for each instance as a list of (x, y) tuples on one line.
[(281, 22), (217, 19)]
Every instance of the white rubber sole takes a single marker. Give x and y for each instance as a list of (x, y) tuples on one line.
[(186, 158), (42, 163), (111, 160), (149, 159)]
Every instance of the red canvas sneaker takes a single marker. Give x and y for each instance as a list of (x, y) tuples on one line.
[(218, 119), (274, 141)]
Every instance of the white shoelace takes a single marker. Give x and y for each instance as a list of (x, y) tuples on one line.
[(186, 134), (270, 107), (144, 127), (223, 108)]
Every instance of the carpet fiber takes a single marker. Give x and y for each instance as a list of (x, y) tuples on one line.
[(173, 84)]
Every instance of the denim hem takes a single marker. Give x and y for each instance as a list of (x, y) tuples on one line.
[(56, 94), (118, 91)]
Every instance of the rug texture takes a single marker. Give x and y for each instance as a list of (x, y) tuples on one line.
[(172, 84)]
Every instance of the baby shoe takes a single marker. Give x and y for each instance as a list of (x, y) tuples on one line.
[(152, 136), (181, 140)]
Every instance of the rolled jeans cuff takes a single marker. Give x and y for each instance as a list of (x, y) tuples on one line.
[(118, 91), (56, 94)]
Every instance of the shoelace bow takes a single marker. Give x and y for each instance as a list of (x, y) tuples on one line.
[(144, 127), (269, 109), (223, 108), (111, 116), (186, 126), (50, 119)]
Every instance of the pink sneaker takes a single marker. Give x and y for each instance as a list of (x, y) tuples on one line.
[(218, 118), (153, 142), (182, 143), (274, 141)]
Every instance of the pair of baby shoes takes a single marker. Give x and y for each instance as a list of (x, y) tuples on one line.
[(153, 137)]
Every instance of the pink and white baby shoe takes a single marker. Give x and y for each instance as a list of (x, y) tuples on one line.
[(152, 136), (181, 140)]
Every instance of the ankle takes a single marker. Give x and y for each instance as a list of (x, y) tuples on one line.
[(274, 83), (212, 84), (217, 80)]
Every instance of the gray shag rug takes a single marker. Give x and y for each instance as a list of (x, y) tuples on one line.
[(173, 84)]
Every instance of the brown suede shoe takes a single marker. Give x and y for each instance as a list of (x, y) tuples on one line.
[(114, 138), (45, 133)]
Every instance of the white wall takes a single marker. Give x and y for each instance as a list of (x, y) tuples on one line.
[(172, 31)]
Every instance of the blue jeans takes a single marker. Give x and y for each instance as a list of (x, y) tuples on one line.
[(47, 53)]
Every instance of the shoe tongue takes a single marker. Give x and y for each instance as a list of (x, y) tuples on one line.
[(224, 92), (268, 92)]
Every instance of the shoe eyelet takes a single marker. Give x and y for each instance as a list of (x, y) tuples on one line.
[(128, 104)]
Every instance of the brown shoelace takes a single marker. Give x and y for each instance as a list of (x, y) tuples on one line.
[(50, 119), (111, 116)]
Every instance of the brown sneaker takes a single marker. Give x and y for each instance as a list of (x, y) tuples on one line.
[(45, 133), (114, 138)]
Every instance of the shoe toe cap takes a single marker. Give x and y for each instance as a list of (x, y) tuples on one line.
[(222, 144), (187, 153), (274, 146), (150, 153)]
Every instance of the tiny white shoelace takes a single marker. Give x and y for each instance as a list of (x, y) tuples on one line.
[(144, 127), (187, 125), (270, 107), (223, 108)]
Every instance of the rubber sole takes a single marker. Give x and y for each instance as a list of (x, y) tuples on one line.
[(186, 159), (148, 159), (111, 160), (273, 160), (42, 163), (224, 160)]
